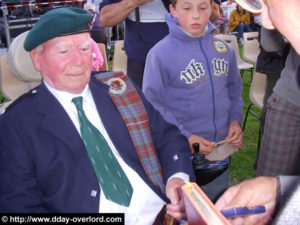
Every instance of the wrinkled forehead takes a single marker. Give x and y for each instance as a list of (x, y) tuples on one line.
[(78, 40)]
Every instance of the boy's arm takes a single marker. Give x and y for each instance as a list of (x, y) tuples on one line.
[(154, 85), (234, 85)]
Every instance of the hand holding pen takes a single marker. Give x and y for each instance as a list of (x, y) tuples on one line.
[(245, 197)]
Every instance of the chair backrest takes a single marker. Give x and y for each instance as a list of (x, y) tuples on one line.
[(257, 89), (120, 58), (4, 105), (250, 47), (17, 73), (102, 49), (232, 41)]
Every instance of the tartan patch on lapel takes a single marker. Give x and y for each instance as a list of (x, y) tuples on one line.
[(134, 114)]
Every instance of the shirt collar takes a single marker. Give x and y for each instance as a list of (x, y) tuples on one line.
[(66, 98)]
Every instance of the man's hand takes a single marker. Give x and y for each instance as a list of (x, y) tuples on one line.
[(137, 3), (250, 193), (176, 208), (203, 144), (112, 14)]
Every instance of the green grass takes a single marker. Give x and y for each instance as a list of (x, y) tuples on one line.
[(241, 164)]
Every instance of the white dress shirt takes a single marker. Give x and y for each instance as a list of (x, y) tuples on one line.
[(145, 203)]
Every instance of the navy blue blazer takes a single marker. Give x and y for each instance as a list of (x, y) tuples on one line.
[(44, 166)]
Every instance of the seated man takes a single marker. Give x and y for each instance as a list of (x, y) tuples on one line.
[(59, 155)]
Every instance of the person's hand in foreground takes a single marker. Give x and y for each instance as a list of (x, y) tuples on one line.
[(250, 193), (176, 208)]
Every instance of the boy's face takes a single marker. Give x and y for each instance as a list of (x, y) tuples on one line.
[(192, 15)]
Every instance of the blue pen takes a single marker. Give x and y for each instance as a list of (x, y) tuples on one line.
[(242, 211)]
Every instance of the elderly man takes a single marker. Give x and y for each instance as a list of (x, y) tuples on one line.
[(70, 145), (281, 195)]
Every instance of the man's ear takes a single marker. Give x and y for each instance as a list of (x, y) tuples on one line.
[(173, 11), (34, 54)]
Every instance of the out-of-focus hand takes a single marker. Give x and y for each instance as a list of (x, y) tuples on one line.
[(235, 135), (176, 208), (250, 193), (203, 144)]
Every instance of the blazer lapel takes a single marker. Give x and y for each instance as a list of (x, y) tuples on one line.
[(113, 121)]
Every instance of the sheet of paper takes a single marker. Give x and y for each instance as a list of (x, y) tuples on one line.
[(221, 152)]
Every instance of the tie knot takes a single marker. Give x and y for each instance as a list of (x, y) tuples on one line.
[(78, 103)]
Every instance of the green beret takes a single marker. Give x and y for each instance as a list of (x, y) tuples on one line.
[(55, 23)]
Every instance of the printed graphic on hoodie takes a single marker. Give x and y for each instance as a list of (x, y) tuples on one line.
[(192, 72), (195, 70)]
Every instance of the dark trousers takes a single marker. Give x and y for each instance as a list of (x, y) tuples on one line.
[(271, 81), (135, 71)]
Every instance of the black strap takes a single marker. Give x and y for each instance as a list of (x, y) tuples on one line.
[(138, 22), (166, 4)]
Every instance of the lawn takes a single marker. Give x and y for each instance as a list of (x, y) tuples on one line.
[(241, 164)]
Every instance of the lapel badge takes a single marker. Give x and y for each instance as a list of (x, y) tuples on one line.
[(116, 86)]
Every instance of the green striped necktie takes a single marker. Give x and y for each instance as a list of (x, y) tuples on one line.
[(113, 181)]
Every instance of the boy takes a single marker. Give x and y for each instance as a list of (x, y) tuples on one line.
[(192, 78)]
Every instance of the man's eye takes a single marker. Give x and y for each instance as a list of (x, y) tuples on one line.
[(85, 49), (63, 51)]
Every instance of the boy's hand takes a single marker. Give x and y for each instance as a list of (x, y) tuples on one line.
[(235, 135), (203, 144)]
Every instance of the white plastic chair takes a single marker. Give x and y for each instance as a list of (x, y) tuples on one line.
[(119, 62), (17, 73), (251, 48), (257, 94), (232, 41)]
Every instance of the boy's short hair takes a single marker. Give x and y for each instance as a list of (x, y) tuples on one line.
[(174, 2)]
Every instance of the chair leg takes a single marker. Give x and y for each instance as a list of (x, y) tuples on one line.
[(245, 120), (242, 73), (258, 146)]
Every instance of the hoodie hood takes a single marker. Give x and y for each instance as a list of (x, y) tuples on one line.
[(176, 30)]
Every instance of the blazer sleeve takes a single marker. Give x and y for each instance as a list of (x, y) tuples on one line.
[(172, 147), (289, 209), (17, 172)]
